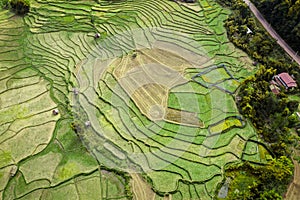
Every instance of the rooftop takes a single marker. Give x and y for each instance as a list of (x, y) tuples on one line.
[(288, 80)]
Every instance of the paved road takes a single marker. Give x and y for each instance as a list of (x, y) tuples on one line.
[(272, 32)]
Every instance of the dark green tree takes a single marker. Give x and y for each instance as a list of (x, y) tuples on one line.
[(270, 194), (3, 3), (20, 7), (284, 16)]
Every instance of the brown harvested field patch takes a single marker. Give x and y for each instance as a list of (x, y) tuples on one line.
[(151, 99), (147, 78), (141, 189), (168, 197), (125, 64), (169, 59), (183, 117)]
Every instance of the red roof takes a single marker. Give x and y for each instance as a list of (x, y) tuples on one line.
[(272, 82), (274, 89), (288, 80)]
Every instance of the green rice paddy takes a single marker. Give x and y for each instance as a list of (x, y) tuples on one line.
[(50, 60)]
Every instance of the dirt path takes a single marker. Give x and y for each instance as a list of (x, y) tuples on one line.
[(272, 32), (141, 189), (293, 192)]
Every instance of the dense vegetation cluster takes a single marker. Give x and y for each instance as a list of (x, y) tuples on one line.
[(258, 44), (284, 17), (20, 7), (260, 182), (272, 115)]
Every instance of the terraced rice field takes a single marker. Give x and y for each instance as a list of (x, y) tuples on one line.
[(129, 95)]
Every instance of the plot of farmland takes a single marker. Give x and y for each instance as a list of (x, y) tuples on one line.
[(127, 101)]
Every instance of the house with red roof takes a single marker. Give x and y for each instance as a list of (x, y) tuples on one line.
[(275, 89), (285, 80)]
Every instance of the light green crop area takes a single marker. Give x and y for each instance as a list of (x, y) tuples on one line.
[(154, 94)]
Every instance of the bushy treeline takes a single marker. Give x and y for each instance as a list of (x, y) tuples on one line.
[(20, 7), (284, 16), (258, 44), (271, 115)]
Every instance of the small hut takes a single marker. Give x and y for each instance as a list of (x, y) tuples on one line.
[(97, 35), (75, 91), (87, 123), (55, 111)]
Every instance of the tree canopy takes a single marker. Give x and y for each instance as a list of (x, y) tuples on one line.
[(20, 7), (250, 181), (284, 16)]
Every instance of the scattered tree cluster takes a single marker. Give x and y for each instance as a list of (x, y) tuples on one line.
[(3, 3), (20, 7), (284, 16), (260, 182)]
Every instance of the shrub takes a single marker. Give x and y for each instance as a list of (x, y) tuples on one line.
[(20, 7), (3, 3)]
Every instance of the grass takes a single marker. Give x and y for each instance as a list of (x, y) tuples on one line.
[(225, 158), (241, 181), (81, 186), (27, 136), (223, 139), (251, 148), (189, 102), (86, 184), (24, 187), (213, 184), (61, 192), (4, 177), (252, 158), (263, 153), (256, 153), (42, 167), (215, 76), (225, 125), (33, 195), (165, 183), (6, 158)]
